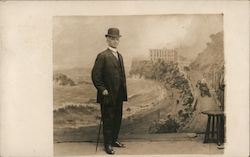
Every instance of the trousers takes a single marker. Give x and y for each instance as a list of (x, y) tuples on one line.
[(112, 117)]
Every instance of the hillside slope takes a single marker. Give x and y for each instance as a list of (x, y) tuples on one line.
[(209, 65), (212, 55)]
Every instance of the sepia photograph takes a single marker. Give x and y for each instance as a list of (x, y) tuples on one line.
[(139, 84), (140, 78)]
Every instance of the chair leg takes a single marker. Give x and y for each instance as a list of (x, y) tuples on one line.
[(213, 118), (218, 130), (207, 130), (223, 129)]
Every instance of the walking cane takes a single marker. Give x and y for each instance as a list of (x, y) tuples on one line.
[(98, 136)]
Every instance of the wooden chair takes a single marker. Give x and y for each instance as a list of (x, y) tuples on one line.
[(215, 127)]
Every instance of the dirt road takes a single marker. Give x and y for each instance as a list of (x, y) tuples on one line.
[(198, 123)]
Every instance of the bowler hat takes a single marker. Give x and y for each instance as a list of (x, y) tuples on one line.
[(113, 32)]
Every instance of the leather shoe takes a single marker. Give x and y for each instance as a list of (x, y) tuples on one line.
[(118, 144), (109, 149)]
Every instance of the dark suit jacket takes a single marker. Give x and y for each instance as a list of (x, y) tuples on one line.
[(106, 75)]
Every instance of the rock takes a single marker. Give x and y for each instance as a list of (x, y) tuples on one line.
[(128, 109), (192, 135), (63, 80)]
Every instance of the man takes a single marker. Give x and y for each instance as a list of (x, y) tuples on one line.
[(108, 76)]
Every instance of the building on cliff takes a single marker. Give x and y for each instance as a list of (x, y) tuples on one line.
[(170, 55)]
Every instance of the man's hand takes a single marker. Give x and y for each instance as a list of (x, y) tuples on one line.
[(105, 92)]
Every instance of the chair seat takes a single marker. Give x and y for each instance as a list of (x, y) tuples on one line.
[(213, 112)]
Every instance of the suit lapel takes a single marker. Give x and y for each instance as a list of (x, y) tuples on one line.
[(113, 59), (121, 60)]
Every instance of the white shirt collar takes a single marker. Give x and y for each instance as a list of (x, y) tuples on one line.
[(114, 52), (112, 49)]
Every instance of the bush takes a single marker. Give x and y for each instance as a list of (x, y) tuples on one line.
[(170, 126)]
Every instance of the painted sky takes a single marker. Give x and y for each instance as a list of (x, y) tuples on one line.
[(78, 39)]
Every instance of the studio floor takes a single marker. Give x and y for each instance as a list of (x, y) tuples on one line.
[(168, 144)]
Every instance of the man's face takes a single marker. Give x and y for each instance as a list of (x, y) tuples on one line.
[(113, 41)]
